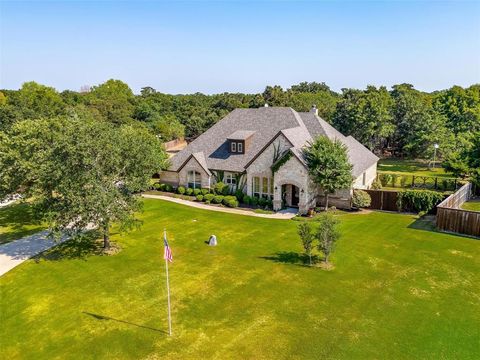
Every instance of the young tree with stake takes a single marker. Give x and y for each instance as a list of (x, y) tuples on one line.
[(306, 235), (327, 234)]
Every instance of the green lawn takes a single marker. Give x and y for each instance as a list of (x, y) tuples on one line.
[(398, 291), (16, 221), (472, 205), (410, 167)]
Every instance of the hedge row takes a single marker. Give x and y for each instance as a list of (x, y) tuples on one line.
[(220, 194)]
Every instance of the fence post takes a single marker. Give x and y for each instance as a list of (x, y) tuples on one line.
[(436, 183), (413, 180), (455, 185)]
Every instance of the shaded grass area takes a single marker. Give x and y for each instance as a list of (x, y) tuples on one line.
[(472, 205), (17, 221), (398, 291), (411, 167)]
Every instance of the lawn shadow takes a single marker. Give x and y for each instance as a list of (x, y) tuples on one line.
[(103, 317), (17, 217), (426, 223), (80, 247), (290, 257)]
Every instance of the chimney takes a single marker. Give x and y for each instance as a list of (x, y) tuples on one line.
[(266, 105), (314, 109)]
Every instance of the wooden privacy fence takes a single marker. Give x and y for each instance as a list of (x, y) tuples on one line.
[(383, 199), (451, 218)]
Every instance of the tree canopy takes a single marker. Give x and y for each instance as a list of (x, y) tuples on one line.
[(402, 121), (79, 172), (328, 165)]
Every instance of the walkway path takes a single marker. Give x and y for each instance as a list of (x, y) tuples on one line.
[(16, 252), (283, 214)]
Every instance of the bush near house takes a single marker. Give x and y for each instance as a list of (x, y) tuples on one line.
[(199, 197), (205, 191), (181, 190), (418, 200), (247, 200), (217, 199), (221, 188), (189, 191), (239, 195), (361, 199), (230, 201), (208, 198), (196, 192)]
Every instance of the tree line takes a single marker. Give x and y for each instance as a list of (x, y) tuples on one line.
[(402, 121)]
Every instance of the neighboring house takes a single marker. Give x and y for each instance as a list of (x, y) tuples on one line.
[(240, 150)]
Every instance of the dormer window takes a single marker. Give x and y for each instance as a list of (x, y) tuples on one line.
[(239, 141)]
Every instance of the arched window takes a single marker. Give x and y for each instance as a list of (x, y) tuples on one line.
[(194, 179)]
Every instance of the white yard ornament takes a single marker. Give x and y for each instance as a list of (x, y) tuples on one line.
[(212, 241)]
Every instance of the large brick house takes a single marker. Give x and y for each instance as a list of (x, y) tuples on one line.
[(242, 148)]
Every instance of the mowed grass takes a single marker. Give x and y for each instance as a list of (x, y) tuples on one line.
[(16, 221), (397, 291), (472, 205), (411, 167)]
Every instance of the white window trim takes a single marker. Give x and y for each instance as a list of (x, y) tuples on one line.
[(233, 147), (240, 147)]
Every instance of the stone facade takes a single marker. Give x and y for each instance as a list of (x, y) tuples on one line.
[(193, 165)]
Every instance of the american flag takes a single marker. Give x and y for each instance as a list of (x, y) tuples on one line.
[(167, 253)]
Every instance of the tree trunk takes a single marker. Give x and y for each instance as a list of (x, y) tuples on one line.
[(106, 236), (326, 201)]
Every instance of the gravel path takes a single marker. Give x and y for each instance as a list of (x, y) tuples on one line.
[(282, 214)]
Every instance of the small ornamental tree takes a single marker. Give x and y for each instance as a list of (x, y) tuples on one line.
[(306, 235), (80, 172), (328, 165), (327, 234)]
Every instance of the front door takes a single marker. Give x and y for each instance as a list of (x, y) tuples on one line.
[(295, 195)]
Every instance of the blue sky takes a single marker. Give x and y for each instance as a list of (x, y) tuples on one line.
[(211, 47)]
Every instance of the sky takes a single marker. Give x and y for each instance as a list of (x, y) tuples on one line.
[(239, 46)]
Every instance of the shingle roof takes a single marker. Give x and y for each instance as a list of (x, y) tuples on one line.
[(262, 125), (241, 134)]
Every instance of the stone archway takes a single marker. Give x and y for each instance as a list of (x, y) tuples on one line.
[(289, 193)]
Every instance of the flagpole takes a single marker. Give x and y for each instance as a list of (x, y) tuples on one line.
[(168, 292)]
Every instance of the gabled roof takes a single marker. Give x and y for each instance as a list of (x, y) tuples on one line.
[(262, 125)]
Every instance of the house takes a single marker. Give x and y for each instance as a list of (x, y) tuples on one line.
[(242, 148)]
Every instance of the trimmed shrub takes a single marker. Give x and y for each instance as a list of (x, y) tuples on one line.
[(262, 202), (189, 191), (269, 203), (208, 197), (168, 188), (418, 200), (247, 200), (217, 199), (254, 200), (230, 201), (196, 192), (204, 191), (385, 179), (361, 199), (181, 190), (156, 186), (199, 197), (376, 185), (221, 188), (239, 195)]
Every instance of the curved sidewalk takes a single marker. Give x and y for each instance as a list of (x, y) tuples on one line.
[(16, 252), (282, 215)]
